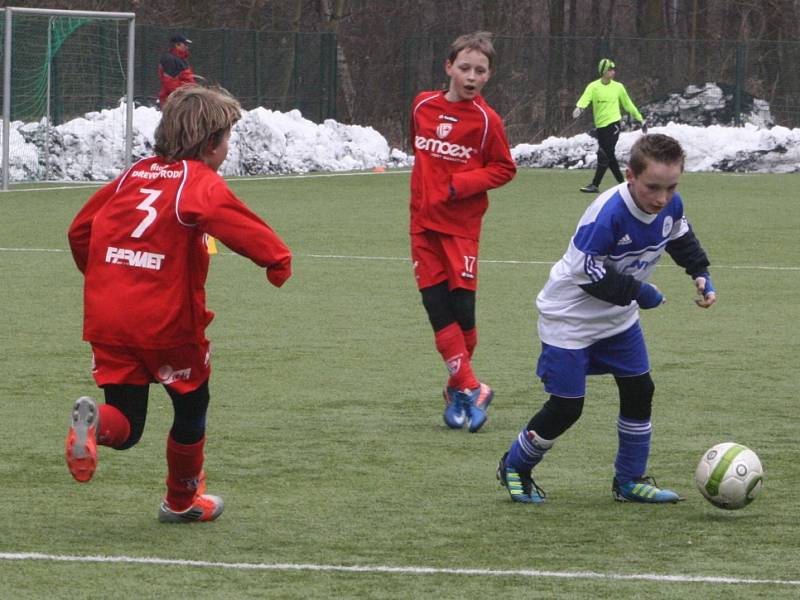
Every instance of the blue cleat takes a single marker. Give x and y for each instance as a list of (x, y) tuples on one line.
[(455, 411), (643, 489), (479, 400), (520, 487)]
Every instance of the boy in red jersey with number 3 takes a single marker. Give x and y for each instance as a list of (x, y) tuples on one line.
[(461, 151), (140, 243)]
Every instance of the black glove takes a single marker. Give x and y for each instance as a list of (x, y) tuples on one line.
[(644, 127)]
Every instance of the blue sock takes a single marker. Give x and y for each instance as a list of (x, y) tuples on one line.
[(634, 448), (527, 451)]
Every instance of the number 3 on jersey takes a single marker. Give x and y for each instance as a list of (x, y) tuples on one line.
[(147, 206)]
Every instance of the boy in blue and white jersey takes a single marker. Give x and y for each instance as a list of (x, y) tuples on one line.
[(589, 318)]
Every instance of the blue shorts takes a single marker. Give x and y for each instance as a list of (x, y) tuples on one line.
[(564, 372)]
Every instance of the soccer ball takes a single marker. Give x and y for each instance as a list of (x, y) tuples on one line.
[(729, 475)]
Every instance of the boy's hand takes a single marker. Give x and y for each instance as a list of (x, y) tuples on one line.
[(278, 274), (649, 296), (705, 288), (577, 112), (644, 126)]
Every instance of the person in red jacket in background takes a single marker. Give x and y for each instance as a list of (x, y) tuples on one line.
[(140, 243), (173, 68), (460, 152)]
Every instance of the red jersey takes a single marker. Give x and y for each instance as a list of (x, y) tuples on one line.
[(173, 72), (460, 152), (140, 242)]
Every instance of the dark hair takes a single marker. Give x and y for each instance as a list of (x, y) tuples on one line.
[(179, 39), (478, 40), (192, 118), (655, 147)]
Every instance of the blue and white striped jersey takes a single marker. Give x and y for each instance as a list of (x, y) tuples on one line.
[(615, 233)]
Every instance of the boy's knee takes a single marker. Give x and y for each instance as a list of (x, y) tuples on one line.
[(556, 416), (131, 403), (462, 302), (189, 423), (636, 396), (436, 300), (602, 158), (133, 438)]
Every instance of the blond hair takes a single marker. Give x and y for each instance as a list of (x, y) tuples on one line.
[(193, 118), (477, 40)]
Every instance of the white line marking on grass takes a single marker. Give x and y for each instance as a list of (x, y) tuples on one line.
[(410, 570), (320, 175), (61, 187), (33, 250), (530, 262), (232, 179), (408, 259)]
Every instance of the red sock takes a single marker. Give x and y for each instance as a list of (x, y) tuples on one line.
[(185, 465), (114, 428), (450, 344), (471, 340)]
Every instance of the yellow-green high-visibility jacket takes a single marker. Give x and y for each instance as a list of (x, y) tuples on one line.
[(606, 100)]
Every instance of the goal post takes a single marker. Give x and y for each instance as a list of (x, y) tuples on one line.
[(49, 60)]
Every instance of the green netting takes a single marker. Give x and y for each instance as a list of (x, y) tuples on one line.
[(64, 67), (71, 65), (35, 88)]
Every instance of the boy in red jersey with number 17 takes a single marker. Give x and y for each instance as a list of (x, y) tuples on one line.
[(140, 244), (460, 152)]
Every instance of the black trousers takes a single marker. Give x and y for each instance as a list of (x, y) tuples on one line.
[(606, 159)]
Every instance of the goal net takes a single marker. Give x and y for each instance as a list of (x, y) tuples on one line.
[(67, 94)]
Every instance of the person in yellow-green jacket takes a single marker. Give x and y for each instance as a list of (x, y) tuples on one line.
[(606, 97)]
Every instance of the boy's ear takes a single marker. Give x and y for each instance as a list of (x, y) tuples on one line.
[(629, 175), (210, 146)]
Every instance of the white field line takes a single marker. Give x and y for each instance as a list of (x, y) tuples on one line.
[(407, 259), (79, 186), (530, 262), (384, 569)]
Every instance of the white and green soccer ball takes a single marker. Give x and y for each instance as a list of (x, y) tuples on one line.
[(729, 475)]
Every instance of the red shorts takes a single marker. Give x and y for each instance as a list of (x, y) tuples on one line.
[(439, 257), (182, 369)]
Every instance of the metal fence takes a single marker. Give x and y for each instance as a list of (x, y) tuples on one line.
[(65, 65), (534, 85), (281, 71), (277, 70)]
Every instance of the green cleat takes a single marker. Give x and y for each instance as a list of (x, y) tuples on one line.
[(644, 490), (520, 487)]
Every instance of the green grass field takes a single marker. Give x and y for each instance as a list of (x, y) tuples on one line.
[(325, 435)]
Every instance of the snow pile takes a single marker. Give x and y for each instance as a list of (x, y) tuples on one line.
[(710, 104), (270, 142), (266, 141), (697, 117), (714, 148), (262, 142), (87, 148)]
